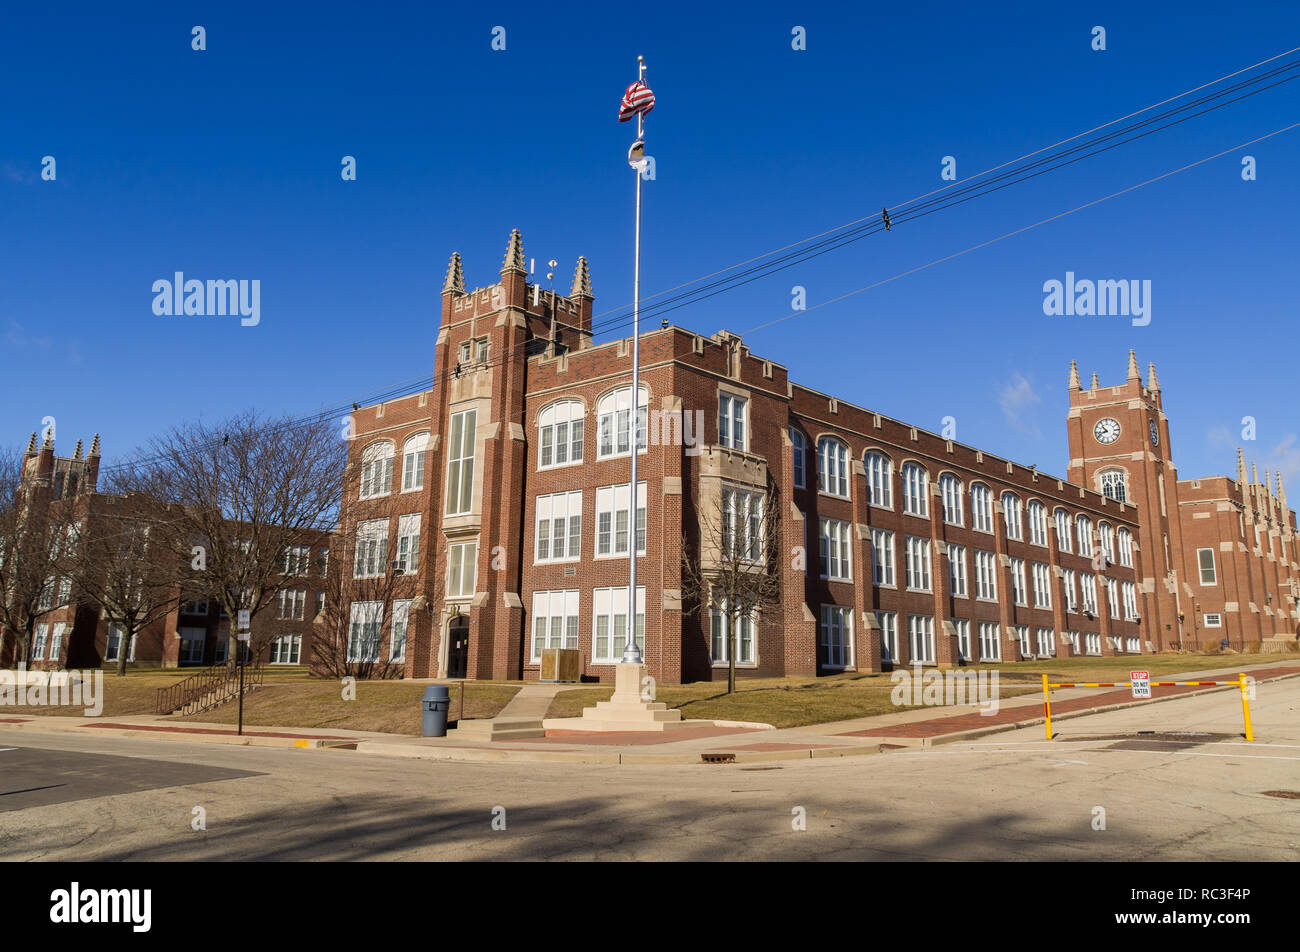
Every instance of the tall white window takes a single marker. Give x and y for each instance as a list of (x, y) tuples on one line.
[(742, 524), (555, 621), (1129, 591), (916, 490), (981, 507), (377, 470), (1046, 642), (38, 641), (1021, 633), (560, 434), (986, 575), (1209, 573), (559, 527), (1037, 523), (365, 628), (1083, 528), (1071, 599), (832, 467), (1042, 585), (743, 639), (957, 570), (950, 489), (460, 463), (1125, 547), (920, 638), (610, 624), (408, 543), (837, 636), (1107, 536), (799, 444), (1088, 592), (397, 638), (880, 480), (990, 643), (962, 627), (1063, 539), (372, 549), (1092, 643), (462, 569), (918, 563), (888, 636), (731, 421), (1112, 597), (413, 455), (833, 545), (882, 556), (1112, 485), (611, 520), (1018, 591), (56, 640), (1011, 513), (614, 420)]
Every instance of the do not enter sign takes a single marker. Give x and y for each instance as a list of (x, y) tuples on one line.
[(1141, 681)]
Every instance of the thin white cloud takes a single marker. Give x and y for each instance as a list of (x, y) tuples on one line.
[(1284, 458), (1019, 402)]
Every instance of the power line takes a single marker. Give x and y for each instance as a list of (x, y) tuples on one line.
[(1020, 231), (838, 237)]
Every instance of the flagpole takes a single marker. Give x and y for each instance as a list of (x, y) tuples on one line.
[(631, 650)]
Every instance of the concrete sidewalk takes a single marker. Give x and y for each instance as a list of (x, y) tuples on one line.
[(704, 743)]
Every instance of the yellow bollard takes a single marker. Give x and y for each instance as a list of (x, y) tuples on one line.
[(1047, 708), (1245, 705)]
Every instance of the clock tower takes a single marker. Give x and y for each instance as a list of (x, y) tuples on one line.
[(1119, 446)]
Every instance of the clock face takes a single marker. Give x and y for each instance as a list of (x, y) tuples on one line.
[(1107, 430), (1155, 432)]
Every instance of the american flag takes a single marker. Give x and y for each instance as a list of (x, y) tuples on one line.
[(637, 100)]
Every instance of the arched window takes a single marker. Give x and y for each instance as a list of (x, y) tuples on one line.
[(1011, 514), (880, 479), (981, 507), (916, 490), (377, 470), (832, 467), (1037, 523), (800, 451), (950, 489), (413, 462), (614, 417), (1083, 529), (1125, 547), (1063, 537), (1114, 484), (560, 434)]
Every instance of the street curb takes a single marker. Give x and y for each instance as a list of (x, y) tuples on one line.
[(957, 736), (229, 739)]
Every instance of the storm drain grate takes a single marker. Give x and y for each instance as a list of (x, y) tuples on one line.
[(1283, 794), (718, 758)]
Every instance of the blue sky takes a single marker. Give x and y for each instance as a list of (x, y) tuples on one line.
[(225, 164)]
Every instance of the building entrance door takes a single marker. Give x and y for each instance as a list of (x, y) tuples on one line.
[(458, 648)]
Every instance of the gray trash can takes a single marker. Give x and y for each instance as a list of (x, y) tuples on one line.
[(436, 701)]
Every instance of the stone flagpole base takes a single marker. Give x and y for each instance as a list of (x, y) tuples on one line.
[(625, 711)]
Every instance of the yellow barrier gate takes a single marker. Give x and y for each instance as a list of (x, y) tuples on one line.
[(1240, 682)]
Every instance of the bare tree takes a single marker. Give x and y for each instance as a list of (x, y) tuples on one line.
[(125, 566), (241, 494), (34, 529), (366, 567), (735, 568)]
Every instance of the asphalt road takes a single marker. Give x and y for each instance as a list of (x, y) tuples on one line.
[(1013, 796)]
